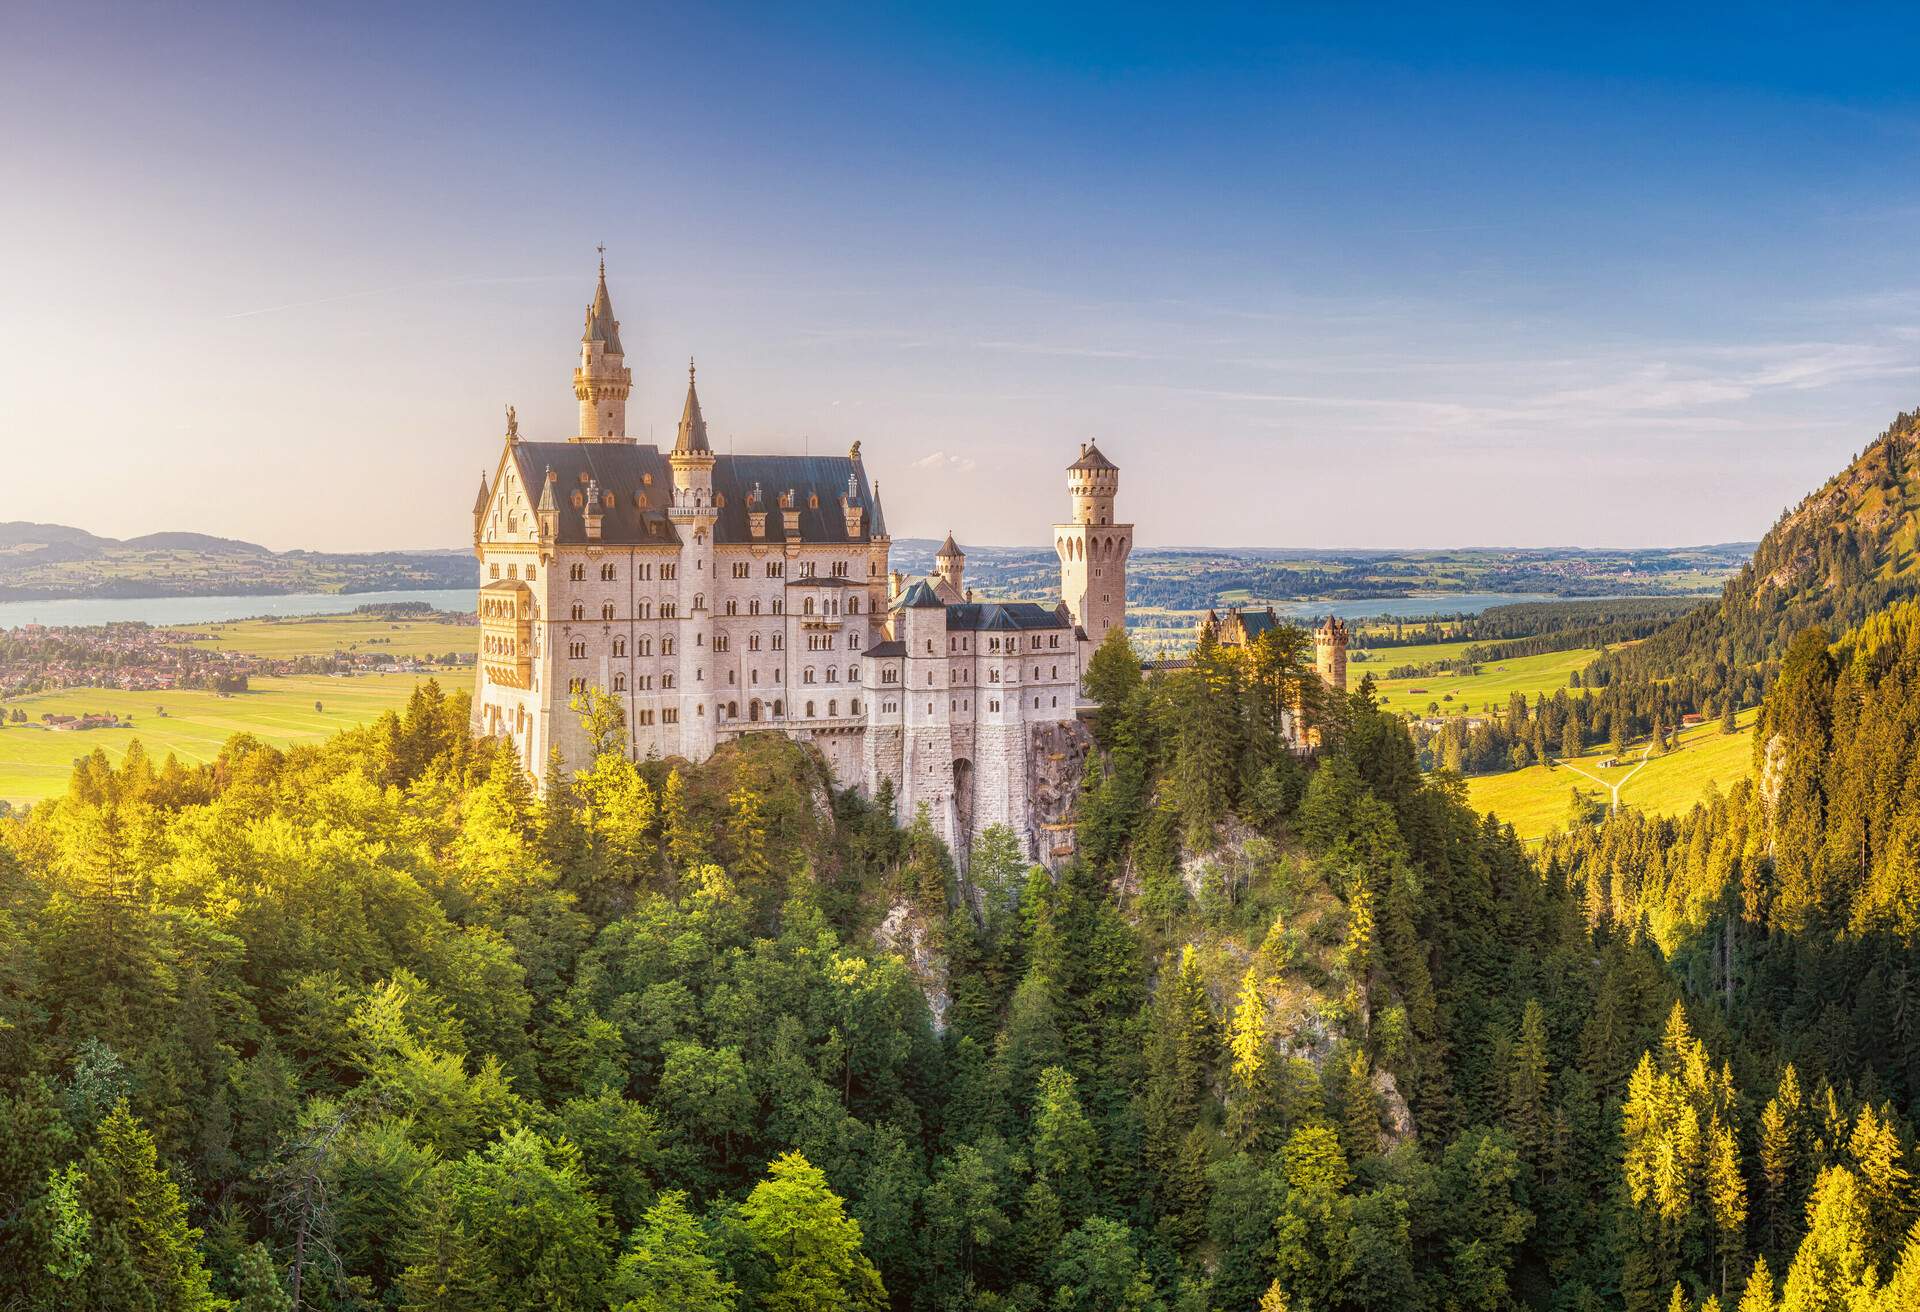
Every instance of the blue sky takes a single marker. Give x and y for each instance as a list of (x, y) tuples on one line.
[(1313, 277)]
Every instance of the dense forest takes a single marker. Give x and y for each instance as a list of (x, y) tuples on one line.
[(1846, 552), (371, 1025)]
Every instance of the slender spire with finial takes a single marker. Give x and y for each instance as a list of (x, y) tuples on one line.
[(692, 437)]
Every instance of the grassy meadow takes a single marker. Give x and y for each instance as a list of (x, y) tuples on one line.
[(322, 635), (1489, 688), (1535, 800), (35, 762)]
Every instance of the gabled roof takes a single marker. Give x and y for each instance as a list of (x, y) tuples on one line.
[(601, 325), (480, 504), (1090, 458), (622, 469), (890, 647), (999, 616), (919, 597)]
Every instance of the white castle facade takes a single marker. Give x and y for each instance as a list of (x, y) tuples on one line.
[(720, 595)]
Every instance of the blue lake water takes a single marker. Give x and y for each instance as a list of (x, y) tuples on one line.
[(205, 610)]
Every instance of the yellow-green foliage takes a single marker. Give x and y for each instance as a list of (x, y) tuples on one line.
[(322, 635), (1490, 685), (35, 762)]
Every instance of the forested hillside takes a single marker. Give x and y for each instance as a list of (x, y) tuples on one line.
[(1844, 553), (370, 1025)]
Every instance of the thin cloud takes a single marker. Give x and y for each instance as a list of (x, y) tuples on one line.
[(941, 460)]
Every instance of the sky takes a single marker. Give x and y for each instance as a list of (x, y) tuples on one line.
[(1313, 276)]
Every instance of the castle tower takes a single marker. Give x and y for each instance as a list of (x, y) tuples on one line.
[(693, 514), (950, 567), (603, 380), (1330, 653), (1093, 549), (926, 758)]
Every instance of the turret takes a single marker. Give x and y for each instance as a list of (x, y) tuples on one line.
[(1093, 549), (692, 456), (1330, 653), (950, 566), (603, 380)]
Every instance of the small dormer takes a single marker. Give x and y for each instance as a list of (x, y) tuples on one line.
[(591, 510), (549, 509), (757, 514), (790, 513)]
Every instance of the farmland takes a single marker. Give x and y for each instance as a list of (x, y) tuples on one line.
[(1456, 694), (1538, 798), (322, 635), (35, 762)]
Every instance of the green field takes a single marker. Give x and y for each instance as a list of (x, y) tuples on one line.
[(1485, 690), (322, 635), (1536, 799), (35, 762)]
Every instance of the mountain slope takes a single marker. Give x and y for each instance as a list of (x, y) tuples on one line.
[(1847, 551)]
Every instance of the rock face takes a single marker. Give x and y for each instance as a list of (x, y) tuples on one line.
[(1394, 1110), (904, 933), (1056, 762)]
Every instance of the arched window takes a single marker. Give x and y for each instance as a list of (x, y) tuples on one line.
[(753, 605), (699, 601), (806, 607), (853, 605), (579, 611), (809, 710), (753, 642), (733, 710), (733, 607), (833, 674), (833, 706), (606, 573), (606, 610), (577, 573), (619, 646), (619, 683), (779, 708)]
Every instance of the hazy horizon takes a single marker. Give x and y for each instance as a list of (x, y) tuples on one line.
[(1307, 277)]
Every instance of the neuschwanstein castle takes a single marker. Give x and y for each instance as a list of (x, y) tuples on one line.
[(720, 595)]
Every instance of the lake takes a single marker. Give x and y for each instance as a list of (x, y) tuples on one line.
[(206, 610)]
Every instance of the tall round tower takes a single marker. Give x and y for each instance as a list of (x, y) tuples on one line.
[(1093, 549), (603, 380), (1330, 653)]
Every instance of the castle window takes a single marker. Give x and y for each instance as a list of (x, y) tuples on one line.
[(579, 611), (742, 568), (929, 646), (513, 571), (1053, 640), (853, 605), (753, 642), (806, 607), (889, 675), (833, 706), (643, 717), (619, 646), (619, 683), (646, 646), (1055, 674), (779, 708), (733, 607), (809, 710), (753, 605), (779, 606), (839, 569), (806, 569), (606, 573), (929, 678), (576, 573), (730, 679), (666, 646), (699, 601), (669, 571), (645, 611), (666, 680), (1056, 701), (577, 651), (806, 675), (733, 710), (853, 642), (832, 672), (853, 708), (576, 685), (721, 642), (670, 715), (853, 674), (779, 642), (529, 573), (669, 609), (606, 610), (776, 569), (643, 572)]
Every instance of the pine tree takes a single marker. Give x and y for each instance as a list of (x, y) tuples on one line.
[(142, 1241)]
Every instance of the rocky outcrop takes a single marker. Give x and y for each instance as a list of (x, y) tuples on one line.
[(903, 932), (1056, 763)]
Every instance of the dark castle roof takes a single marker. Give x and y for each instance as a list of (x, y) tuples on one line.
[(1090, 458), (997, 616), (621, 468), (919, 597)]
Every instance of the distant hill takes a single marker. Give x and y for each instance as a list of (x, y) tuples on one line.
[(49, 561), (1848, 550)]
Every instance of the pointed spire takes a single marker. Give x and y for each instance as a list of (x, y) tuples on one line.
[(693, 425), (480, 503), (546, 492), (950, 548), (601, 325)]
